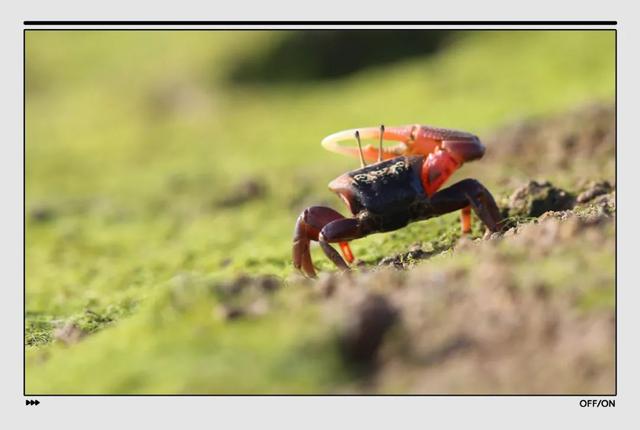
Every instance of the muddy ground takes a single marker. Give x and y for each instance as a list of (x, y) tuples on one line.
[(527, 310)]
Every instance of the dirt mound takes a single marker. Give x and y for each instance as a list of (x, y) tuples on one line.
[(594, 189), (536, 198)]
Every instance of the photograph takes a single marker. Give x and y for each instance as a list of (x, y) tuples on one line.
[(320, 211)]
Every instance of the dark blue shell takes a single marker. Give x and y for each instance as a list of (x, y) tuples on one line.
[(389, 189)]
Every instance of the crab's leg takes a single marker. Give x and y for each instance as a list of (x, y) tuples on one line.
[(463, 194), (308, 226), (346, 251), (465, 219)]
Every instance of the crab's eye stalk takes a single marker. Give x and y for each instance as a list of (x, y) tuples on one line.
[(380, 148), (362, 163)]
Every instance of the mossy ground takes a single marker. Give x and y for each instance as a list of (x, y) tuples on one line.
[(134, 138)]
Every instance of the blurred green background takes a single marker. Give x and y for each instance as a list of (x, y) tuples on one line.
[(158, 156)]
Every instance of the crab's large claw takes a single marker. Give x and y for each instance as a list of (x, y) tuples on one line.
[(403, 135), (412, 140)]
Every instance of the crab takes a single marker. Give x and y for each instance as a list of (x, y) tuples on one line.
[(401, 186)]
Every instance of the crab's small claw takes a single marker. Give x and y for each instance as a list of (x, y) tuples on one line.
[(308, 227)]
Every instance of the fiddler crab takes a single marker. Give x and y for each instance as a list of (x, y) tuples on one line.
[(400, 187)]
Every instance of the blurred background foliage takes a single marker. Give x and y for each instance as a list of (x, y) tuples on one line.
[(323, 55), (151, 154)]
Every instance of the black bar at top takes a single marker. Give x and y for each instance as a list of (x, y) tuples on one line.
[(606, 23)]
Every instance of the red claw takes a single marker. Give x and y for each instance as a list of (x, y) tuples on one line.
[(309, 227)]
